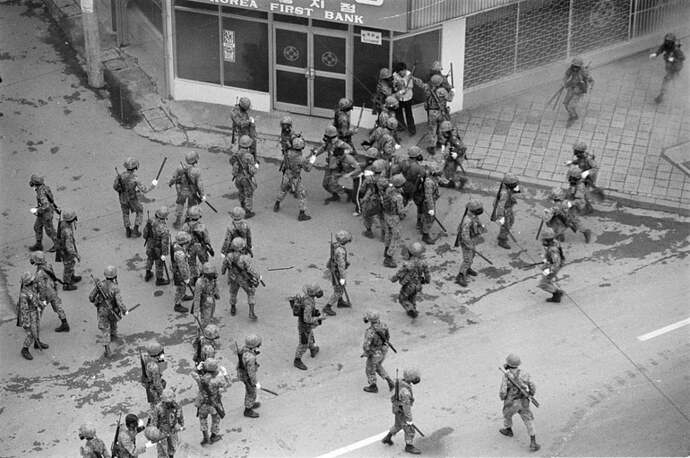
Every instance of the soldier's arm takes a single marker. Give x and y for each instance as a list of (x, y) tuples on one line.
[(406, 404), (118, 299), (42, 202), (308, 313), (340, 263), (429, 194), (679, 55), (197, 296), (531, 387), (105, 453), (200, 185), (368, 336), (92, 295), (69, 245), (224, 267), (503, 392), (251, 367), (182, 265), (466, 239)]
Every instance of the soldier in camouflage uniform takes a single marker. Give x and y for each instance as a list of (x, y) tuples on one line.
[(589, 168), (437, 69), (471, 230), (558, 217), (169, 419), (110, 309), (553, 261), (338, 265), (199, 248), (426, 201), (243, 124), (379, 129), (576, 202), (402, 401), (308, 318), (337, 156), (206, 344), (93, 447), (238, 228), (241, 274), (46, 283), (127, 440), (454, 151), (375, 347), (577, 81), (244, 167), (208, 402), (514, 402), (181, 272), (247, 368), (413, 171), (291, 181), (412, 275), (673, 58), (504, 208), (29, 309), (341, 121), (157, 236), (374, 186), (130, 189), (384, 89), (205, 294), (287, 134), (188, 185), (66, 249), (387, 143), (436, 100), (44, 209), (393, 212), (153, 381)]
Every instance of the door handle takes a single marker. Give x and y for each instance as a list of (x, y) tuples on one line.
[(307, 73)]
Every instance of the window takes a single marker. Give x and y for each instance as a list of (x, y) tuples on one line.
[(368, 60), (249, 52), (152, 10), (418, 52), (197, 43)]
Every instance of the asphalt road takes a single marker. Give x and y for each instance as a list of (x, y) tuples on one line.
[(603, 391)]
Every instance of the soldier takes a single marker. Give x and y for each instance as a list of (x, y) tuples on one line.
[(516, 402), (44, 209), (244, 167), (411, 168), (180, 261), (152, 380), (589, 168), (375, 347), (366, 162), (384, 89), (109, 307), (247, 368), (205, 294), (378, 130), (412, 275), (126, 445), (66, 250), (199, 247), (387, 142), (130, 189), (206, 344), (94, 447), (374, 186), (157, 236), (337, 160), (673, 57), (576, 202), (393, 212), (504, 208), (188, 185), (342, 122), (243, 124), (241, 274), (238, 228), (29, 310), (208, 402), (425, 199), (454, 152), (470, 230), (287, 135), (437, 69), (436, 101), (577, 81), (46, 286), (308, 317), (293, 164), (390, 109), (552, 263), (338, 264), (402, 401), (169, 419)]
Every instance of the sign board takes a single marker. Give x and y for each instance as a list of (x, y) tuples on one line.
[(371, 37), (229, 46), (381, 14)]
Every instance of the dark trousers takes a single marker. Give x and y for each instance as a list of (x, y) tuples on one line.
[(406, 108)]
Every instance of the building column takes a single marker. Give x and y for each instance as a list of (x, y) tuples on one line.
[(453, 50), (168, 60)]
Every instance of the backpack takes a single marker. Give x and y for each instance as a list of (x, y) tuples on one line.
[(297, 305)]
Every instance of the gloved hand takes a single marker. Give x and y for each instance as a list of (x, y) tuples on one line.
[(154, 183), (432, 212), (149, 444), (586, 173), (454, 155), (501, 220), (33, 210), (342, 282), (652, 55), (368, 173), (671, 59), (312, 159), (163, 258), (397, 147), (203, 198), (258, 385), (546, 271)]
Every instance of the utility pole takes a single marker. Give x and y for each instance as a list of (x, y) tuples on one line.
[(92, 44)]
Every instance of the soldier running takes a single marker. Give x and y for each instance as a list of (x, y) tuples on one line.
[(46, 283), (291, 181), (241, 274), (470, 231), (308, 318), (402, 401), (110, 308), (514, 401), (412, 275), (375, 347), (576, 202), (157, 243), (244, 167), (29, 309), (577, 81), (44, 209), (247, 368), (673, 58), (188, 186), (589, 168), (129, 190)]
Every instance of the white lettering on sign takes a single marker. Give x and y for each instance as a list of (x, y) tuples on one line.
[(351, 18), (289, 9), (316, 4), (371, 37), (87, 6), (370, 2), (347, 8), (242, 3)]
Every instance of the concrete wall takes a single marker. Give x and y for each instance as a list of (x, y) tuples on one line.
[(212, 93), (453, 50)]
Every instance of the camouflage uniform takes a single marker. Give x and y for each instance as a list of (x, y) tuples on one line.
[(169, 419), (374, 188), (66, 251), (127, 444), (247, 373), (94, 448), (589, 168), (47, 291), (238, 228), (386, 145), (412, 275), (130, 189), (29, 310), (576, 81), (384, 89), (673, 58), (205, 295), (45, 207), (153, 383), (198, 248), (243, 124), (426, 207), (576, 202), (243, 171), (471, 231), (332, 145), (552, 263), (157, 245), (107, 308), (514, 402), (181, 274), (215, 383), (306, 322), (287, 135), (454, 154), (504, 209), (402, 401), (189, 188), (339, 265), (375, 349), (291, 181), (393, 212), (341, 121), (241, 274), (436, 100), (205, 346)]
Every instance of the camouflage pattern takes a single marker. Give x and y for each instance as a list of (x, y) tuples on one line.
[(243, 170), (471, 231), (337, 166), (181, 271), (248, 375), (237, 229), (402, 409), (198, 254), (94, 448), (169, 419), (504, 209), (341, 121), (127, 444), (241, 274), (386, 144), (375, 349), (436, 106), (47, 288), (431, 194), (154, 384), (559, 219), (514, 402), (451, 143), (130, 189), (412, 275), (44, 213), (577, 204), (66, 250), (384, 88), (341, 266), (553, 261), (291, 180), (205, 295), (28, 313), (576, 82), (393, 212), (586, 162), (189, 188), (306, 324), (216, 383), (413, 172), (374, 187), (243, 124), (286, 138), (105, 309), (157, 245)]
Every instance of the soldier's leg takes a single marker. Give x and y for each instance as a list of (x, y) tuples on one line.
[(567, 100), (113, 328), (409, 434), (431, 128), (394, 246), (234, 287), (404, 300), (215, 423), (138, 210), (203, 413), (283, 190), (528, 418), (30, 337), (370, 370), (427, 224), (38, 232), (47, 222), (251, 301), (301, 195), (249, 395), (179, 209), (56, 304), (248, 197), (206, 314), (509, 409), (397, 425), (124, 208), (68, 270), (302, 345), (546, 284), (467, 257), (159, 268)]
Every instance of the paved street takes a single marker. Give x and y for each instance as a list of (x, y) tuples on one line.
[(602, 390)]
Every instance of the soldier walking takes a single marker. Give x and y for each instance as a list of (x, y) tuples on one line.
[(412, 275), (208, 402), (402, 401), (342, 121), (44, 209), (673, 58), (241, 274), (199, 247), (436, 100), (152, 379), (393, 212), (46, 285), (130, 189), (247, 368), (558, 216), (287, 135), (515, 402), (374, 186), (238, 228), (577, 81), (169, 419), (188, 186), (126, 444), (576, 202), (470, 230), (375, 347), (337, 156), (205, 294), (291, 181), (181, 270), (29, 310), (553, 261), (66, 250), (206, 344), (157, 243), (338, 265), (243, 124), (308, 318), (425, 198), (244, 167), (109, 308), (589, 168), (454, 151), (93, 447), (504, 208)]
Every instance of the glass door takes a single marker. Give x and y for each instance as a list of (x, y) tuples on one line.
[(292, 70), (329, 64)]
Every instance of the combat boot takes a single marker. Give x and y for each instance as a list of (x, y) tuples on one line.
[(503, 243), (187, 297), (128, 232), (205, 438), (412, 313), (328, 310), (106, 351), (135, 232), (533, 446), (276, 206), (180, 308), (303, 216), (250, 413), (368, 233), (76, 278), (38, 246), (40, 345), (409, 448), (69, 287), (233, 310), (390, 383), (588, 235), (371, 388), (215, 437), (64, 326), (313, 351), (248, 214), (148, 275), (426, 238), (506, 432), (162, 281), (335, 197), (472, 272), (256, 405), (387, 439), (252, 316), (461, 280), (343, 303), (556, 297), (389, 262), (27, 354), (659, 98), (299, 364)]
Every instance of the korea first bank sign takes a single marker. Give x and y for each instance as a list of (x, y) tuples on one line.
[(380, 14)]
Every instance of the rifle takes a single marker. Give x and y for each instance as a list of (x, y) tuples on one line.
[(49, 196), (52, 276), (147, 228), (555, 97), (234, 129), (209, 397), (119, 181), (160, 169), (196, 190), (145, 377), (106, 298), (331, 267), (531, 265), (496, 200), (204, 244), (114, 449), (385, 340), (541, 225), (482, 256), (197, 356), (459, 236), (519, 387)]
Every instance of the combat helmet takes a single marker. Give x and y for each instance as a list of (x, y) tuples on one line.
[(245, 141), (87, 431), (330, 132), (384, 74), (252, 341), (398, 180), (191, 157), (286, 121), (416, 249), (513, 360), (344, 104), (238, 244), (131, 163), (298, 144), (343, 236), (411, 375), (162, 212), (245, 103), (237, 213), (211, 332), (110, 272)]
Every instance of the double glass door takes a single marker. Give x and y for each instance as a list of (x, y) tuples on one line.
[(310, 69)]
